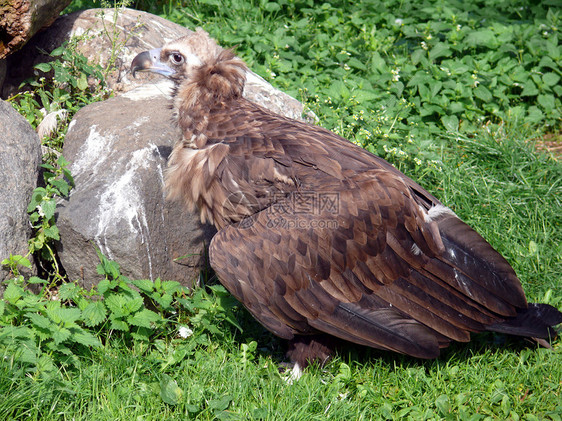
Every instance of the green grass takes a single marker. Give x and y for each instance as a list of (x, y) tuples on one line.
[(453, 93)]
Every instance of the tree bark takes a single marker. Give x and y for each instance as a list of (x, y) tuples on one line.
[(21, 19)]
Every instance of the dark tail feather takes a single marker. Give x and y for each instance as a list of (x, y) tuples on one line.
[(535, 321)]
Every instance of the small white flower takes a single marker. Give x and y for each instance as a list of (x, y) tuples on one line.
[(185, 332), (399, 21)]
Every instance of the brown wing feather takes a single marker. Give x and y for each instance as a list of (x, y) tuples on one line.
[(372, 294)]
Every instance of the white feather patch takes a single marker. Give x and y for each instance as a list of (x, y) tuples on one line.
[(294, 375), (416, 250), (436, 212)]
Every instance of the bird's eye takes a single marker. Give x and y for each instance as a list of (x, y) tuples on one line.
[(176, 58)]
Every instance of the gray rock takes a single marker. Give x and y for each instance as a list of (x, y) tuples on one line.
[(118, 149), (20, 157)]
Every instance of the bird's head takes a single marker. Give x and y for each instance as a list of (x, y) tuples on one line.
[(197, 65)]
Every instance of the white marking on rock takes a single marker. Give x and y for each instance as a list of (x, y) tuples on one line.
[(122, 200), (92, 152)]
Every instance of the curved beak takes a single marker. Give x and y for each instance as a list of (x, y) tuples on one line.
[(149, 61)]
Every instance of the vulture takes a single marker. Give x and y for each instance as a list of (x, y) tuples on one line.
[(319, 239)]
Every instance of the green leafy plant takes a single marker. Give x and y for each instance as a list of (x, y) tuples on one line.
[(42, 207), (67, 83), (45, 329)]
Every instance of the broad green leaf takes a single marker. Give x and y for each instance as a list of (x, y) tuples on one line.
[(142, 334), (13, 293), (272, 7), (39, 320), (546, 101), (86, 338), (418, 55), (439, 50), (435, 88), (450, 122), (378, 63), (133, 304), (366, 96), (62, 162), (424, 92), (116, 305), (170, 392), (94, 313), (68, 176), (220, 404), (44, 67), (483, 93), (36, 280), (48, 207), (61, 185), (103, 285), (356, 64), (64, 315), (171, 286), (52, 232), (108, 267), (68, 291), (530, 89), (165, 300), (82, 82), (534, 115), (58, 51), (144, 318), (443, 404), (119, 325), (18, 260), (36, 198), (145, 285), (550, 79), (456, 107), (482, 37), (553, 50), (60, 334), (13, 332), (27, 352)]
